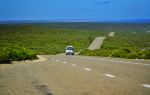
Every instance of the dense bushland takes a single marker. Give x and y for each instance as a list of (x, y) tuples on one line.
[(45, 40), (16, 53), (41, 39), (23, 41), (125, 45)]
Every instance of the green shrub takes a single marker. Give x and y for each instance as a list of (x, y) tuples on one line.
[(124, 55), (120, 52), (4, 58), (132, 56), (16, 53), (103, 52), (145, 54), (86, 52), (126, 50), (116, 53)]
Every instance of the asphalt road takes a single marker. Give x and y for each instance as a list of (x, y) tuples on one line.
[(76, 75), (96, 44), (111, 34)]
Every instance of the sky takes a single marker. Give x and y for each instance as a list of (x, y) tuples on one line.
[(74, 9)]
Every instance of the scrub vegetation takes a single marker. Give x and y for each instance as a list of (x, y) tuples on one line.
[(34, 39), (125, 44), (25, 41), (16, 53)]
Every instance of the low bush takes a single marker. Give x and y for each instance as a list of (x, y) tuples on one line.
[(130, 53), (125, 45), (123, 52), (144, 54), (132, 56), (4, 58), (87, 52), (16, 53)]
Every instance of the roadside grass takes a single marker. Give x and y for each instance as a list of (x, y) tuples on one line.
[(124, 45)]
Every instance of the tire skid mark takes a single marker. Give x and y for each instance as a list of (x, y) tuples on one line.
[(41, 88)]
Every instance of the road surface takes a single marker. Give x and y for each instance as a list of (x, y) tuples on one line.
[(76, 75), (96, 44), (111, 34)]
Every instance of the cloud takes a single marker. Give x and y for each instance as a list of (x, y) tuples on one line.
[(103, 2)]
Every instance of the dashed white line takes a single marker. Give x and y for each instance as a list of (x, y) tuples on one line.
[(130, 62), (57, 60), (73, 65), (109, 75), (87, 69), (111, 60), (64, 62), (146, 85)]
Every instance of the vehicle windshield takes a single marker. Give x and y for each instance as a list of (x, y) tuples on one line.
[(69, 48)]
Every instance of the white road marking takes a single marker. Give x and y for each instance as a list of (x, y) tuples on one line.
[(109, 75), (87, 69), (73, 65), (64, 62), (57, 60), (111, 60), (129, 62), (146, 85)]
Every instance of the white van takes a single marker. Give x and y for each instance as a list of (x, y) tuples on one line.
[(69, 50)]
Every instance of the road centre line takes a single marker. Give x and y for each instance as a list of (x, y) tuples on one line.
[(129, 62), (57, 60), (146, 85), (113, 60), (73, 65), (109, 75), (87, 69), (64, 62)]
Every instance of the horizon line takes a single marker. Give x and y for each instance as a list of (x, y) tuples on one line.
[(79, 20)]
